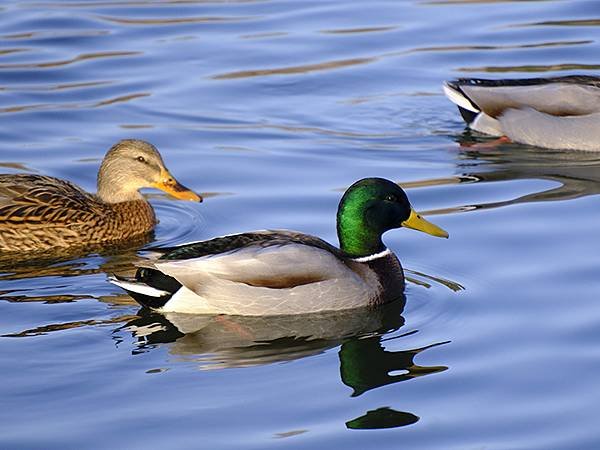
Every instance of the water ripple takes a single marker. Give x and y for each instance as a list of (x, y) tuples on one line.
[(69, 106), (179, 223), (78, 58), (359, 30), (305, 68), (173, 20), (531, 68)]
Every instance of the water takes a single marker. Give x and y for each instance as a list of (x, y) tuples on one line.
[(270, 109)]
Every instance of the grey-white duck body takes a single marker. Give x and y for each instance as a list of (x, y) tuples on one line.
[(559, 112), (274, 272)]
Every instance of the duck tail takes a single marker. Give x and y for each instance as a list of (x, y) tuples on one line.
[(141, 292), (468, 110)]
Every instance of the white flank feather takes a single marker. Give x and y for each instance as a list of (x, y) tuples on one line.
[(458, 98), (138, 287)]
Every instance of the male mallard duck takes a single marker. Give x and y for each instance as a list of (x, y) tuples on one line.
[(39, 213), (561, 112), (286, 272)]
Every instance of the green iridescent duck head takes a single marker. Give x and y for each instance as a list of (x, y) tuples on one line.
[(369, 208)]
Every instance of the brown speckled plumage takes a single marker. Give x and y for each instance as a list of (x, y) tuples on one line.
[(40, 213)]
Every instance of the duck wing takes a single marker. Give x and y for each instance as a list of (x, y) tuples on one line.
[(559, 96), (260, 273), (37, 199), (273, 259)]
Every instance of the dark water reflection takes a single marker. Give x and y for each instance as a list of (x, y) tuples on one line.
[(240, 341), (481, 160), (236, 341)]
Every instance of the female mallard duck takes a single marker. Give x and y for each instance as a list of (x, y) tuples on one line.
[(561, 112), (285, 272), (39, 213)]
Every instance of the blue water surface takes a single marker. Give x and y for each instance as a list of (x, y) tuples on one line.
[(271, 109)]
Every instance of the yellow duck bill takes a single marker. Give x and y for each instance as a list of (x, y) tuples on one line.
[(171, 186), (416, 222)]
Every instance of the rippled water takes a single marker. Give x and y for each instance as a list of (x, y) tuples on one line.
[(270, 109)]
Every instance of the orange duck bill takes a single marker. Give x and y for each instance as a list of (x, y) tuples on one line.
[(171, 186)]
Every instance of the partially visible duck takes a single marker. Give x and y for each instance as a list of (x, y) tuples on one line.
[(40, 213), (559, 112), (285, 272)]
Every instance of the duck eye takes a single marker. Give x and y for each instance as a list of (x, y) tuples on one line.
[(141, 159), (390, 198)]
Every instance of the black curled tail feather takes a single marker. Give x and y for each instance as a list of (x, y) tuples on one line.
[(154, 279), (467, 114), (157, 279)]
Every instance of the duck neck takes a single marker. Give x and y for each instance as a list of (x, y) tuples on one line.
[(113, 186), (358, 238)]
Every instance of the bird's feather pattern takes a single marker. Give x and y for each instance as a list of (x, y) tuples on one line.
[(560, 96), (268, 277), (263, 273), (39, 199), (43, 213)]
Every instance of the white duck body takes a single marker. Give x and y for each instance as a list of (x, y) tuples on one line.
[(275, 273), (560, 113)]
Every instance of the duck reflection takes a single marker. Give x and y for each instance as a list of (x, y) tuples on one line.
[(578, 172), (57, 280), (366, 365), (220, 341), (382, 418), (481, 160), (241, 341)]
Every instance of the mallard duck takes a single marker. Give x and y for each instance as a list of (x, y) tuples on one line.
[(560, 113), (40, 213), (283, 272)]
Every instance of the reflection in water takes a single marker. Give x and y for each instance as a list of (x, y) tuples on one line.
[(306, 68), (54, 106), (360, 30), (172, 21), (67, 326), (241, 341), (564, 23), (78, 58), (382, 418), (61, 262), (238, 341), (452, 285), (465, 48), (530, 68), (576, 172), (366, 365), (460, 2), (47, 34), (59, 87)]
